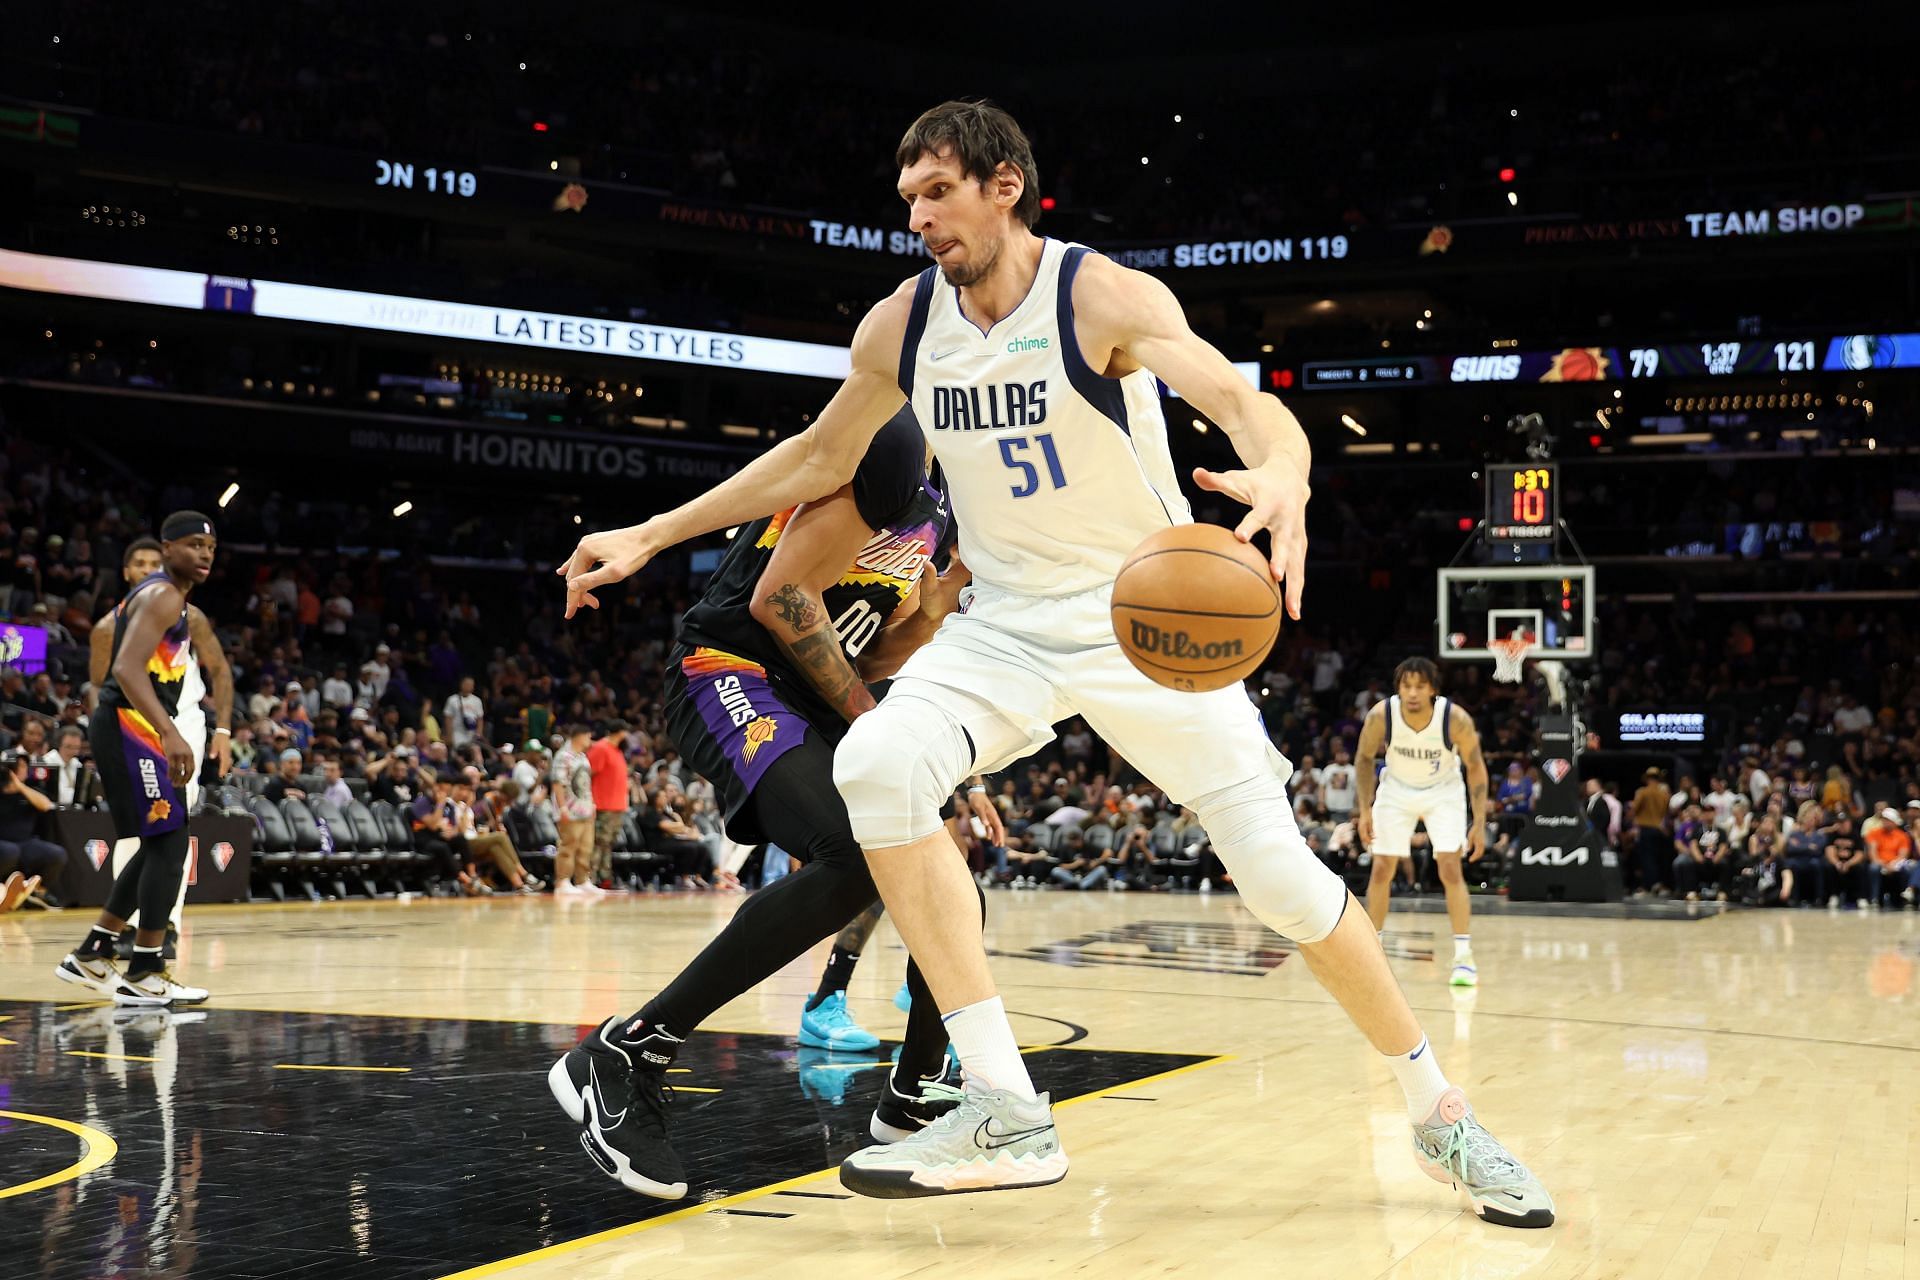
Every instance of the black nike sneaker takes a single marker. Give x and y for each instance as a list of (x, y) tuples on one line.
[(616, 1088), (899, 1116)]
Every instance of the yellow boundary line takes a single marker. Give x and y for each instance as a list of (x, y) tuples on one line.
[(742, 1197), (99, 1149), (302, 1066), (110, 1057)]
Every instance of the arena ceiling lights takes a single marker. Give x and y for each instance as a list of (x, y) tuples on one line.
[(392, 313)]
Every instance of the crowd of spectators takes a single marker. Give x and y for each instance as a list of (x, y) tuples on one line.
[(461, 697)]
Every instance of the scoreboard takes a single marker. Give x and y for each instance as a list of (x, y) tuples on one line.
[(1523, 503)]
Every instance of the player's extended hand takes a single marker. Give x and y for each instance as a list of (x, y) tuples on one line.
[(602, 559), (1277, 492), (989, 814), (1363, 827), (222, 752), (1476, 843), (942, 592), (179, 755)]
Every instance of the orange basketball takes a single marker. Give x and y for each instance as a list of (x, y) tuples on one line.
[(1195, 608)]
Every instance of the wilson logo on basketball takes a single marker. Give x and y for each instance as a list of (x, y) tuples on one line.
[(1148, 638), (1557, 768), (97, 852)]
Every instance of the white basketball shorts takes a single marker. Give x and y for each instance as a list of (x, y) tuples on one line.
[(1397, 807)]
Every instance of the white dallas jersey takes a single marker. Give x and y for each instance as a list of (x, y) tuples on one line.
[(1421, 757), (193, 689), (1055, 472)]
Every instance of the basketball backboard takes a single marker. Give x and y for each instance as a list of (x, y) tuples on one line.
[(1552, 602)]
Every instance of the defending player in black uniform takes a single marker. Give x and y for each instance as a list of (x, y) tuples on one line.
[(762, 684), (144, 764)]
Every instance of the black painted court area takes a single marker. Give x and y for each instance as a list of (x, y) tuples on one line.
[(232, 1163)]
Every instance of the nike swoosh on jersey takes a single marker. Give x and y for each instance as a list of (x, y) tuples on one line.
[(951, 351)]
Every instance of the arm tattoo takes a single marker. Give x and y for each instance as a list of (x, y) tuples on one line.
[(824, 663), (794, 608)]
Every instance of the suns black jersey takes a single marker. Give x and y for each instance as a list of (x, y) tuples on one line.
[(911, 526), (167, 665)]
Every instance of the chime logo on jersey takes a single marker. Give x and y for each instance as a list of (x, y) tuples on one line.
[(1557, 768), (993, 407), (97, 852), (759, 733)]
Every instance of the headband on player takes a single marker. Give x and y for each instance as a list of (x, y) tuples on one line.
[(184, 524)]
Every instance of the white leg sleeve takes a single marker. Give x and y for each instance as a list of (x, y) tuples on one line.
[(1279, 878), (897, 766)]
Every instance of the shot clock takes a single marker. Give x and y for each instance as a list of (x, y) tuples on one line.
[(1523, 504)]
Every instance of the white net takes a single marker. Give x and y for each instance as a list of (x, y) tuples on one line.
[(1510, 656)]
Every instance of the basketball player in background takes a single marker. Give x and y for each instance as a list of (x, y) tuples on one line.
[(142, 561), (769, 670), (1031, 366), (1426, 739), (145, 764)]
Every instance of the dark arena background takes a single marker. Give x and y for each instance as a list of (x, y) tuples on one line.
[(1604, 331)]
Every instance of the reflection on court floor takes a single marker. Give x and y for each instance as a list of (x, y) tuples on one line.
[(306, 1144)]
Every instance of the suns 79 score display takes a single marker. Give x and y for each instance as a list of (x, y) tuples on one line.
[(1523, 502)]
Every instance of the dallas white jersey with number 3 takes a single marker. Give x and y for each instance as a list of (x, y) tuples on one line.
[(1055, 472), (1421, 757)]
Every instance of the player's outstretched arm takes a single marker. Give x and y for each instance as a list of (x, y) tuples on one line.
[(815, 548), (1135, 315), (1466, 740), (1373, 736), (799, 469)]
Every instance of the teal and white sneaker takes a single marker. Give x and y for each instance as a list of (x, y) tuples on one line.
[(828, 1025), (989, 1141), (1453, 1148), (903, 999), (1464, 974)]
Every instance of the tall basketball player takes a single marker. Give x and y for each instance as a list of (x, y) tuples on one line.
[(145, 763), (1031, 365), (140, 562), (766, 676), (1426, 739)]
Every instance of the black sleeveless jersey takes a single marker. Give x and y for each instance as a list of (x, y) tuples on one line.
[(166, 665), (912, 530)]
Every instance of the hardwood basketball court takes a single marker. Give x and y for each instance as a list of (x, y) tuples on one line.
[(1726, 1096)]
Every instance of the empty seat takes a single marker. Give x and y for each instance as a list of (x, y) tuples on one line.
[(395, 830), (1100, 836), (306, 833), (367, 832), (276, 838), (339, 827)]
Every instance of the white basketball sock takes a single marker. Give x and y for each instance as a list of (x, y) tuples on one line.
[(988, 1053), (1462, 944), (1421, 1079)]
